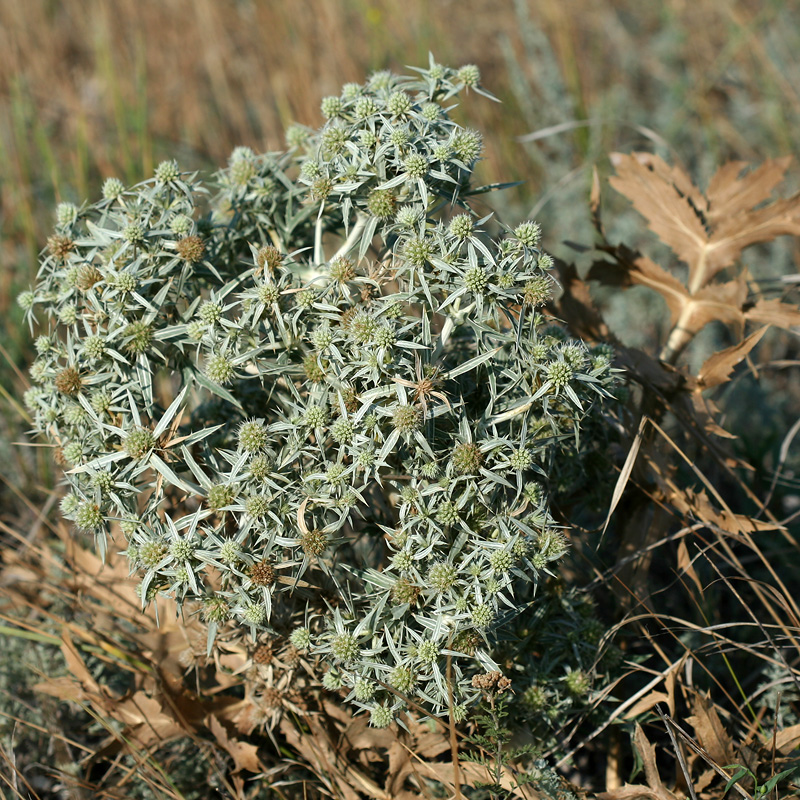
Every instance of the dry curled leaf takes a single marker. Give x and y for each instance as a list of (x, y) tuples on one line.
[(148, 721), (718, 368), (710, 731), (244, 754), (655, 788)]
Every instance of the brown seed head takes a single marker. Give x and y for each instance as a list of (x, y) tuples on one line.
[(269, 258), (350, 399), (291, 657), (191, 248), (487, 680), (87, 277), (467, 642), (272, 699), (263, 655), (347, 317), (68, 380), (263, 574), (60, 246)]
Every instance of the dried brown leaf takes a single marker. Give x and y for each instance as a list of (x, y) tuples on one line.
[(594, 196), (700, 505), (697, 505), (475, 773), (649, 701), (625, 472), (630, 792), (76, 665), (652, 187), (642, 271), (686, 567), (774, 312), (244, 754), (329, 759), (149, 722), (718, 368), (676, 177), (648, 273), (720, 301), (647, 752), (707, 235), (786, 741), (732, 235), (729, 192), (710, 732), (360, 736), (63, 688)]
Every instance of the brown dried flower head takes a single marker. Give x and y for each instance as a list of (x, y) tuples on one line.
[(68, 381), (263, 574), (269, 258), (262, 655), (60, 246), (191, 248)]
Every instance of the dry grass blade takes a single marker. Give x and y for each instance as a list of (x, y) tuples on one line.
[(700, 751), (625, 472), (16, 776), (679, 755)]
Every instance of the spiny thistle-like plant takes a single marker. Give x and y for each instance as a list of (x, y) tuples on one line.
[(346, 452)]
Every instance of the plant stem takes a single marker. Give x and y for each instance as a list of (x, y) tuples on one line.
[(361, 223)]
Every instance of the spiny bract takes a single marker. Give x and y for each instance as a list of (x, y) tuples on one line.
[(371, 424)]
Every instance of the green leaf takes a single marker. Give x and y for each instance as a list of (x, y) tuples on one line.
[(491, 187), (736, 777), (214, 388), (771, 783), (468, 366)]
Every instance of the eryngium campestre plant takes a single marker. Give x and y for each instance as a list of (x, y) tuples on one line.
[(324, 412)]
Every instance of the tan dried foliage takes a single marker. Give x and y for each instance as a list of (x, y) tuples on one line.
[(708, 233), (170, 700), (655, 787)]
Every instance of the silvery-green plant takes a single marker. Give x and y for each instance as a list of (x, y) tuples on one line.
[(326, 408)]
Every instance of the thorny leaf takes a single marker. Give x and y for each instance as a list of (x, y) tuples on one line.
[(149, 722), (708, 234), (710, 731), (244, 754), (718, 368)]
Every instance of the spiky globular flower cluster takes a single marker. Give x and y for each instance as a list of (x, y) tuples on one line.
[(240, 398)]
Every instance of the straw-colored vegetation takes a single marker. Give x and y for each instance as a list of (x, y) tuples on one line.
[(654, 142)]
